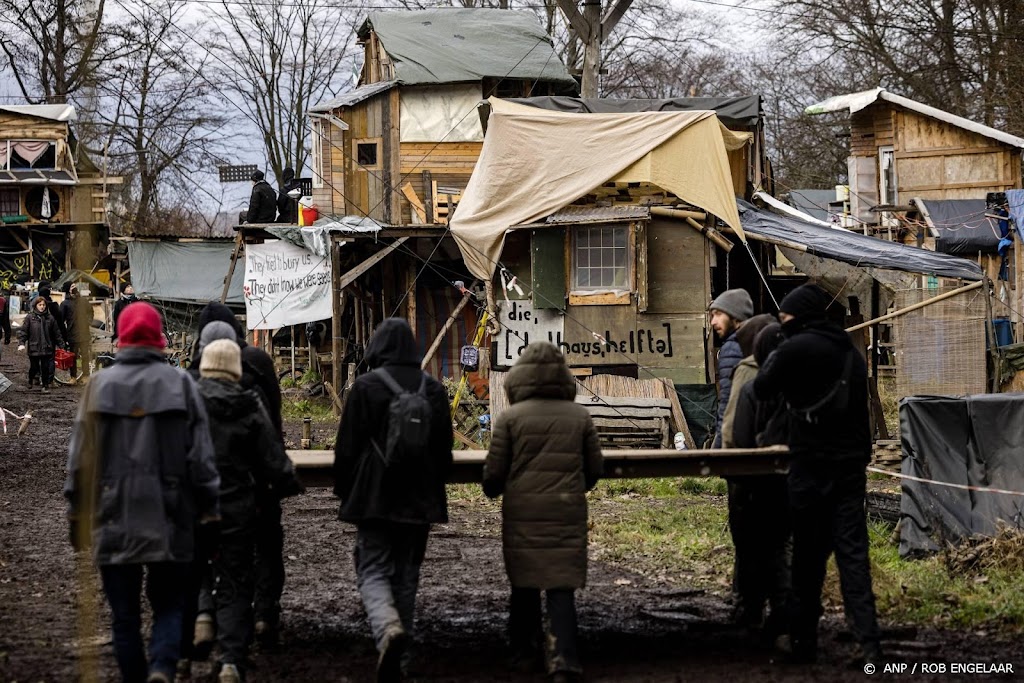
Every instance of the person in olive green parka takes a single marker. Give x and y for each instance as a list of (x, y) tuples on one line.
[(544, 457)]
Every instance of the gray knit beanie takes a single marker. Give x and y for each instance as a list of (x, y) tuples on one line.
[(217, 329), (735, 303), (222, 359)]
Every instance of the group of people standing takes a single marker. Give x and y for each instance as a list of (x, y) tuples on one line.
[(796, 381), (268, 206), (48, 327), (178, 479)]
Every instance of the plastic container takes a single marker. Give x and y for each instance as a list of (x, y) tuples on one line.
[(1004, 331), (308, 215)]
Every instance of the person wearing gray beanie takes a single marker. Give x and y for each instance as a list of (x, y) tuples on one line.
[(221, 359), (728, 311)]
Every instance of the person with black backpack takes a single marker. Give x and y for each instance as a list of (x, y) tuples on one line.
[(391, 462), (822, 379)]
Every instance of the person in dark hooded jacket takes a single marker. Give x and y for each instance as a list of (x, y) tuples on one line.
[(393, 505), (822, 379), (544, 457), (40, 334), (758, 504), (262, 201), (288, 206), (251, 460), (259, 375)]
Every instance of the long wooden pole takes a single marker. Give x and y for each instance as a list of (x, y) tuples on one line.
[(917, 306), (444, 330), (688, 217), (231, 269)]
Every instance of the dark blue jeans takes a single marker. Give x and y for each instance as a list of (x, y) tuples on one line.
[(165, 589)]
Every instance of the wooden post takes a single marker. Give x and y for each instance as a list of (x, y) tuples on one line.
[(444, 330), (917, 306), (592, 49), (411, 297), (428, 201), (337, 354), (231, 268)]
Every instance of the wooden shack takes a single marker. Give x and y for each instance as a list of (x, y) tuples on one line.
[(400, 147), (901, 149), (49, 189)]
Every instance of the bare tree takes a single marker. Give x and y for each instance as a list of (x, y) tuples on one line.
[(158, 119), (279, 59), (51, 47), (959, 55)]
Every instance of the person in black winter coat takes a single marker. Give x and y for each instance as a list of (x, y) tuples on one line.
[(288, 206), (5, 318), (758, 504), (262, 201), (40, 334), (259, 375), (127, 298), (822, 379), (728, 311), (251, 460), (53, 307), (391, 506)]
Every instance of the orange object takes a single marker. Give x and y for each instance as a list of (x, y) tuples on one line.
[(309, 214)]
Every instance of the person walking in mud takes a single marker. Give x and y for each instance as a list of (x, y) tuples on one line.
[(822, 379), (251, 459), (40, 335), (391, 461), (728, 312), (127, 298), (5, 320), (141, 480), (544, 457)]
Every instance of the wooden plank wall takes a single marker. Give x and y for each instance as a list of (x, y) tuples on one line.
[(14, 127), (450, 165)]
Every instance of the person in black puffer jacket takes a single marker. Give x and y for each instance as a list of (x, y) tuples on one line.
[(251, 461), (391, 506), (822, 379), (728, 312)]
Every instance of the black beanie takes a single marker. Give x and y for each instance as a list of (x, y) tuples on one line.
[(749, 329), (806, 302), (766, 341)]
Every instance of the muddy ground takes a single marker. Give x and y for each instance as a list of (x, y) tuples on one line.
[(633, 628)]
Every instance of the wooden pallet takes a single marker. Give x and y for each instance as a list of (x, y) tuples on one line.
[(445, 200), (626, 422)]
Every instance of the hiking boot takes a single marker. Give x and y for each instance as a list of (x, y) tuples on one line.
[(204, 637), (158, 677), (229, 673), (566, 677), (183, 672), (46, 390), (871, 653), (394, 644)]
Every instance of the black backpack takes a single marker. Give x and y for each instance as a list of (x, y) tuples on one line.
[(834, 402), (409, 418)]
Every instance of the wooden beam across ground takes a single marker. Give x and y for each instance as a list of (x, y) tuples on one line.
[(315, 467)]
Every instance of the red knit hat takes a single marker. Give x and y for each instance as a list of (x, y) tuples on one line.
[(140, 325)]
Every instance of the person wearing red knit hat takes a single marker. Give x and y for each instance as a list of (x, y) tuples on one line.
[(142, 424)]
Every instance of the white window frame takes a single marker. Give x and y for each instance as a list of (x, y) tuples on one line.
[(317, 153), (626, 251)]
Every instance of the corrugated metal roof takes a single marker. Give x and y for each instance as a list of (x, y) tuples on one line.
[(599, 214), (53, 112), (363, 92), (861, 100), (466, 44)]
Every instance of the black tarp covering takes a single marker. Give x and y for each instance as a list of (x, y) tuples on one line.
[(48, 254), (850, 247), (970, 440), (732, 111), (962, 226)]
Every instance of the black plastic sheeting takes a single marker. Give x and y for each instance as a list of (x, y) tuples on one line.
[(969, 440), (962, 226), (732, 111), (850, 247), (700, 409)]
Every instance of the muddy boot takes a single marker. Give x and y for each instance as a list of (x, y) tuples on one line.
[(389, 665), (229, 673), (266, 633), (205, 636), (566, 677), (871, 653)]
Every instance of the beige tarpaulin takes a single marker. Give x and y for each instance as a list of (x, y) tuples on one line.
[(534, 162)]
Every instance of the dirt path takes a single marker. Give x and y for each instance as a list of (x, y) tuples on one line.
[(633, 628)]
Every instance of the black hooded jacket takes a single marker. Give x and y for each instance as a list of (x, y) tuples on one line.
[(250, 458), (803, 370), (262, 204), (40, 332), (288, 208), (369, 491), (258, 372)]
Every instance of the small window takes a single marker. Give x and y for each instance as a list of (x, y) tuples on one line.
[(601, 258), (366, 154), (10, 204)]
